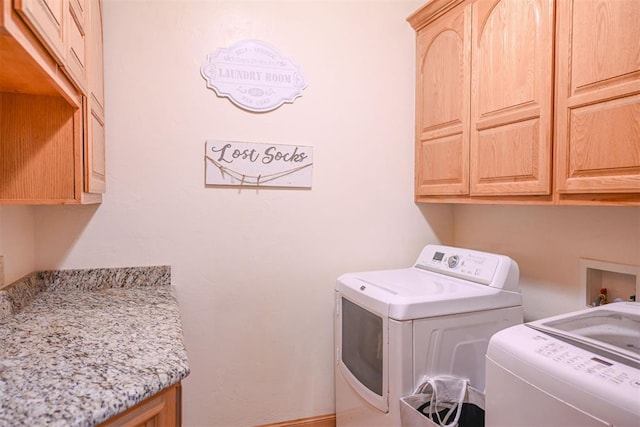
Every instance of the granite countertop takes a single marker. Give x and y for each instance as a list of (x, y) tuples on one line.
[(79, 346)]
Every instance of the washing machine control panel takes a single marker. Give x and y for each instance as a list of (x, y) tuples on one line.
[(599, 368), (583, 367), (470, 265)]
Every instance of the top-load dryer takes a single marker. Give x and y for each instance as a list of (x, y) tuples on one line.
[(394, 327)]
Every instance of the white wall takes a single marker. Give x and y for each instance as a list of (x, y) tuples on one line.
[(254, 270), (548, 242), (17, 242)]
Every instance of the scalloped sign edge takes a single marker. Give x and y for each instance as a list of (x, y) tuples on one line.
[(253, 75)]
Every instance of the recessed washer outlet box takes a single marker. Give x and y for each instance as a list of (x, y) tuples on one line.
[(621, 281)]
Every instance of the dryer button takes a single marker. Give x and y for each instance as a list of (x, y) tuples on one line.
[(453, 261)]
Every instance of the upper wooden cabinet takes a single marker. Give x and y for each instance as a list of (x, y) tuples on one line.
[(485, 125), (46, 146), (442, 120), (46, 19), (95, 172), (76, 42), (598, 98), (60, 26), (511, 97)]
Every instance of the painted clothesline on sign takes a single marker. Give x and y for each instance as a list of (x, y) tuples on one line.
[(256, 180)]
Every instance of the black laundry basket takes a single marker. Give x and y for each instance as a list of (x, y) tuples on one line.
[(471, 416)]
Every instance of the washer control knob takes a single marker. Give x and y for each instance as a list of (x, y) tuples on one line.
[(453, 260)]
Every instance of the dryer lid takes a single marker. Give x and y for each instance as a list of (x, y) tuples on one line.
[(612, 330), (444, 280), (413, 293)]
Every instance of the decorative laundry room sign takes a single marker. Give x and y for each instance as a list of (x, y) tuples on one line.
[(257, 165), (253, 75)]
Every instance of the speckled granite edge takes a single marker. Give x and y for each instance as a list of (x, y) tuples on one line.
[(21, 293), (104, 278)]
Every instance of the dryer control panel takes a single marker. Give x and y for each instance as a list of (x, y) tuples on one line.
[(479, 267)]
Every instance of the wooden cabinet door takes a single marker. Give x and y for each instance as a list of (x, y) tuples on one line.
[(94, 144), (76, 43), (96, 66), (511, 97), (164, 409), (46, 19), (598, 97), (442, 107)]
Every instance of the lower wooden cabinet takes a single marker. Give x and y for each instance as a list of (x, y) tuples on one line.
[(163, 409)]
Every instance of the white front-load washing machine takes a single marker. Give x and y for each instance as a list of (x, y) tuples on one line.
[(580, 369), (394, 327)]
